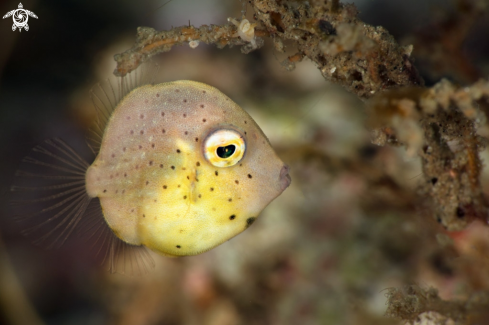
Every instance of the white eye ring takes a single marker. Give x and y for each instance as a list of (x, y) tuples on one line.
[(224, 148)]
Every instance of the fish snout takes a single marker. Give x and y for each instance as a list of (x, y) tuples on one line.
[(284, 178)]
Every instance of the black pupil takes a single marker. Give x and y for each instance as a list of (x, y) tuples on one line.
[(226, 152)]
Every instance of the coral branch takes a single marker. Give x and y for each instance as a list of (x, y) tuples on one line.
[(150, 42), (445, 126), (362, 58)]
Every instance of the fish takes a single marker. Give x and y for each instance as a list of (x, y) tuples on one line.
[(179, 169)]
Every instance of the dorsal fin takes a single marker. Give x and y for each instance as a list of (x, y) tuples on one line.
[(108, 94)]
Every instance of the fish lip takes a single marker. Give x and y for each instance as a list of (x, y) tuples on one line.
[(284, 177)]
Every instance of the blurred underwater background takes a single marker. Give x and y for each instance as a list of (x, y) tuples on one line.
[(329, 250)]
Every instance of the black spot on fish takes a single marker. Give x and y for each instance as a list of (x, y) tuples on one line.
[(217, 174), (178, 151), (232, 217), (249, 221), (157, 95), (198, 164), (249, 176), (178, 246), (173, 167), (165, 187)]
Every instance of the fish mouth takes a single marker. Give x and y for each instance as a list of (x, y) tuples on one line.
[(284, 177)]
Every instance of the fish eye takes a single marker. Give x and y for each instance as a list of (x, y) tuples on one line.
[(224, 148)]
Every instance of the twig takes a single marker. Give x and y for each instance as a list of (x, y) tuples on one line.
[(362, 58)]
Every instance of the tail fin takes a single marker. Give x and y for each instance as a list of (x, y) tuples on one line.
[(49, 190), (51, 201)]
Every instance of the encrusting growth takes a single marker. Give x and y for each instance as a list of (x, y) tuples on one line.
[(362, 58)]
